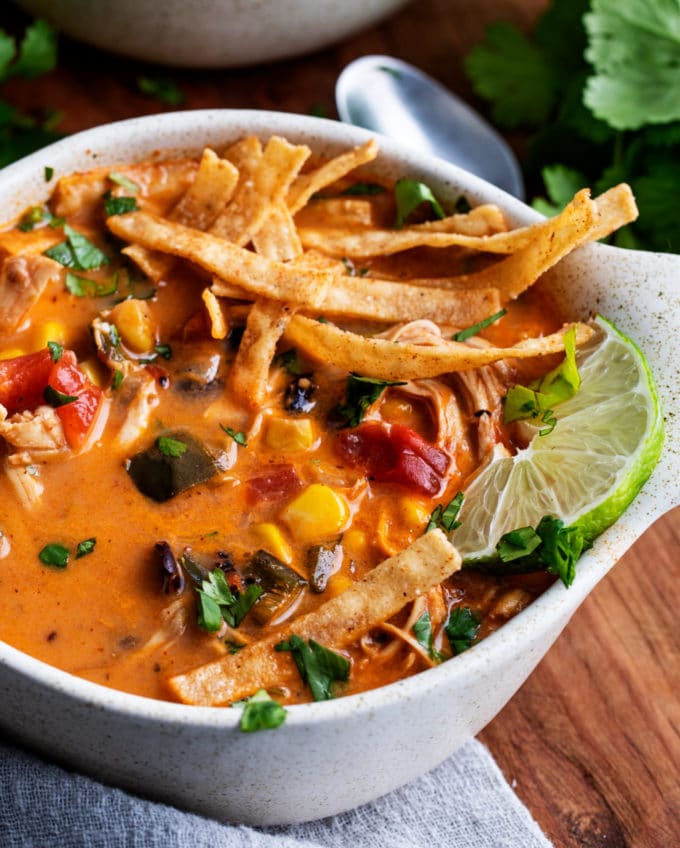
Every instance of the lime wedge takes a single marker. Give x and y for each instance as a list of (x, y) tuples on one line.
[(607, 440)]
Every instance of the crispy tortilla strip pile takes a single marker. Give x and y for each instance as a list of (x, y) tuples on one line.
[(336, 624), (236, 223)]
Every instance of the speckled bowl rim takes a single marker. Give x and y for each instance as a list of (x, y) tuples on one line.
[(23, 183)]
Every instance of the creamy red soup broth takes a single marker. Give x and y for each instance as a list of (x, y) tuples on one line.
[(180, 481)]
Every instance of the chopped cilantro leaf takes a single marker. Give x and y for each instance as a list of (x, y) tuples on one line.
[(461, 628), (239, 437), (551, 546), (49, 173), (171, 447), (319, 667), (463, 335), (55, 555), (77, 252), (422, 630), (517, 543), (119, 205), (217, 603), (261, 712), (445, 518), (55, 350), (409, 195), (360, 393), (117, 379), (56, 399), (85, 287), (85, 547)]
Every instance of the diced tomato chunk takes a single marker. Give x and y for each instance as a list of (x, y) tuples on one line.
[(280, 482), (77, 417), (23, 380), (393, 453)]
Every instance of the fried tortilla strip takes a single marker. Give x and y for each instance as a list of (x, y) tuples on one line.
[(266, 324), (470, 231), (22, 280), (383, 300), (553, 239), (218, 324), (615, 208), (484, 220), (256, 194), (255, 274), (209, 193), (267, 321), (160, 184), (244, 154), (153, 263), (338, 212), (306, 185), (336, 624), (391, 360), (277, 238)]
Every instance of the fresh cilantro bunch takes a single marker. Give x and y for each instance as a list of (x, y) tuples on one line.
[(599, 84), (21, 134)]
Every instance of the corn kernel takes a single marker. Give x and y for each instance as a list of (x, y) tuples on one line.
[(135, 325), (269, 537), (94, 372), (316, 514), (50, 331), (11, 353), (288, 434), (337, 584), (414, 512), (355, 543)]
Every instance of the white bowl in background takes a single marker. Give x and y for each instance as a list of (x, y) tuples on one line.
[(334, 755), (210, 33)]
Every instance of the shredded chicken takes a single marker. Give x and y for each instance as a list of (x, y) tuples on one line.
[(38, 432), (22, 280), (141, 405)]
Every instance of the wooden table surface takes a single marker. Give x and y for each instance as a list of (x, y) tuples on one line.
[(591, 743)]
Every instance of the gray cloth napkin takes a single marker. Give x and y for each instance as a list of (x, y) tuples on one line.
[(465, 803)]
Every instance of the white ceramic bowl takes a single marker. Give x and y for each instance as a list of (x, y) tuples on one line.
[(210, 33), (333, 755)]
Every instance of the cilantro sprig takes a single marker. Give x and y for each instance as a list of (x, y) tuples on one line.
[(217, 602), (319, 667), (550, 546), (461, 628), (597, 84)]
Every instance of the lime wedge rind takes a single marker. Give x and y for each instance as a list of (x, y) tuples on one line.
[(608, 439)]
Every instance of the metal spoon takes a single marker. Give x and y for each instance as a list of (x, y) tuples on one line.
[(392, 97)]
